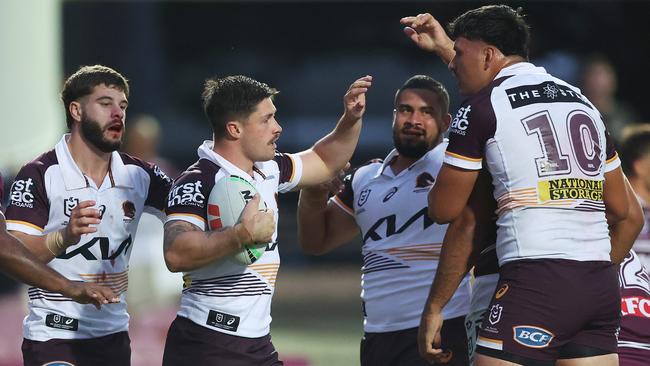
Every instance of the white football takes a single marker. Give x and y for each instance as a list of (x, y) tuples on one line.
[(225, 205)]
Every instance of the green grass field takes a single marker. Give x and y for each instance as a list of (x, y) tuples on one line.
[(317, 316)]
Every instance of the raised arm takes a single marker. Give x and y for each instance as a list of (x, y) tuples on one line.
[(429, 35), (187, 247), (330, 154)]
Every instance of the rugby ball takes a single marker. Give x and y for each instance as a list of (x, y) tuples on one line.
[(225, 205)]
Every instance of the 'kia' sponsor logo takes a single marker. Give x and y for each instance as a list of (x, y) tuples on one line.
[(531, 336), (187, 194)]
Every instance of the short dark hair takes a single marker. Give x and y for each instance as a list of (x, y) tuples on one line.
[(498, 25), (634, 146), (232, 97), (427, 83), (84, 80)]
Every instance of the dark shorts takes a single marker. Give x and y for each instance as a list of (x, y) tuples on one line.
[(550, 309), (191, 344), (110, 350), (400, 348)]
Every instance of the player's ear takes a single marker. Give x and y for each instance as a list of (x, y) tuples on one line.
[(75, 110), (446, 120), (233, 129), (488, 57)]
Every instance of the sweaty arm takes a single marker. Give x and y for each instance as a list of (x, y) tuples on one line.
[(322, 225), (624, 232), (461, 246), (330, 154), (187, 247)]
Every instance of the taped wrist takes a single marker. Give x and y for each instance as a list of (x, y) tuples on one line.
[(54, 242)]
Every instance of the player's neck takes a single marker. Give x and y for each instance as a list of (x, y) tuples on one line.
[(92, 162), (234, 155)]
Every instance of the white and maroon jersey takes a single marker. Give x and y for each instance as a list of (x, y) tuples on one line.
[(41, 199), (547, 150), (228, 296), (401, 244), (634, 337)]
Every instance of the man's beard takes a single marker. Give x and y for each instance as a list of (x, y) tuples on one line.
[(92, 131), (412, 149)]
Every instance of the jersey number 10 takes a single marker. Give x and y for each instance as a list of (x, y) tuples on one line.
[(585, 144)]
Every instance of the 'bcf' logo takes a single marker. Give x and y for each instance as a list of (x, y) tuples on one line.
[(460, 122), (21, 193), (533, 337)]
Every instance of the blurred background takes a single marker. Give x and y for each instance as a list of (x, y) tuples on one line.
[(311, 51)]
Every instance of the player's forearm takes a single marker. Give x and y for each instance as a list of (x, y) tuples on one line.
[(190, 250), (337, 147), (457, 257), (36, 245), (623, 233), (312, 221), (446, 51), (19, 263)]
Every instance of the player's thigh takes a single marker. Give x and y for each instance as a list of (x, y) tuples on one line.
[(602, 360), (483, 360)]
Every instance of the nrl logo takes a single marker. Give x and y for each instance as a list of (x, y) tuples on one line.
[(495, 314), (69, 204), (363, 197)]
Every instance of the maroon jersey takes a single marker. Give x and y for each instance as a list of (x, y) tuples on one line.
[(634, 337)]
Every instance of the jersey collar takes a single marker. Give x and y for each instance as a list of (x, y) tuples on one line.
[(393, 155), (205, 152), (73, 178), (520, 68)]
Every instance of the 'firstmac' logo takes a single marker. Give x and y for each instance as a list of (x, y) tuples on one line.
[(21, 193), (187, 194), (461, 122)]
